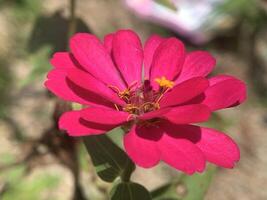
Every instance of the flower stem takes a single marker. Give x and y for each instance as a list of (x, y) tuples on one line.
[(72, 19), (127, 172)]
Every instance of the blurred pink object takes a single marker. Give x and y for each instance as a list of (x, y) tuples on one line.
[(194, 19)]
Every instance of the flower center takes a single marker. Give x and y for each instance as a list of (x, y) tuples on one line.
[(143, 99)]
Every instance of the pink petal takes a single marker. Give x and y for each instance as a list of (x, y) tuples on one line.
[(64, 60), (94, 57), (219, 78), (180, 153), (225, 92), (184, 91), (77, 126), (188, 114), (108, 40), (154, 114), (150, 47), (197, 63), (140, 145), (217, 147), (167, 60), (58, 84), (128, 55), (88, 82), (104, 116)]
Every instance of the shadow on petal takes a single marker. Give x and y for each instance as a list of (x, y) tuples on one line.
[(87, 95)]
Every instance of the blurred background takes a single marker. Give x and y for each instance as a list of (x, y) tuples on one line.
[(39, 162)]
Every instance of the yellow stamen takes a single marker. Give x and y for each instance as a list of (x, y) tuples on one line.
[(149, 106), (131, 108), (125, 94), (116, 106), (160, 97), (164, 83)]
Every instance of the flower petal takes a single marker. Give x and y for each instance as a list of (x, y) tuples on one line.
[(104, 116), (225, 92), (64, 60), (108, 40), (184, 91), (128, 55), (150, 47), (197, 63), (77, 126), (93, 56), (167, 60), (217, 147), (154, 114), (219, 78), (58, 84), (140, 145), (88, 82), (180, 153), (188, 114)]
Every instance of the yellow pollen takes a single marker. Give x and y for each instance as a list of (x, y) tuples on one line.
[(164, 83), (124, 94), (150, 106), (131, 108)]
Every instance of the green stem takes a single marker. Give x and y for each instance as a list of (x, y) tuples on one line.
[(72, 19), (127, 172)]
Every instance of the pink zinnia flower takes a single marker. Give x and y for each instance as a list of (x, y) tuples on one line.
[(174, 92)]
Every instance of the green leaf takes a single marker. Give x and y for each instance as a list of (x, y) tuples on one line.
[(186, 187), (109, 160), (129, 191), (166, 192), (116, 135), (198, 184)]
